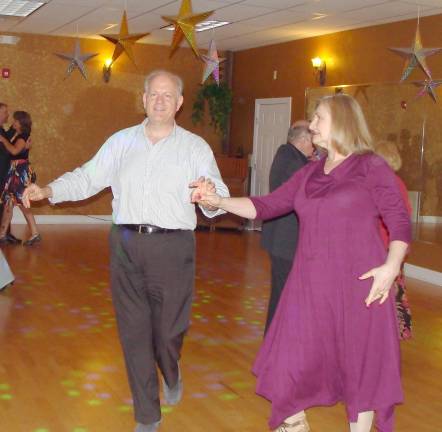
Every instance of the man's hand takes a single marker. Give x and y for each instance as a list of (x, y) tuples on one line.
[(204, 193), (35, 193)]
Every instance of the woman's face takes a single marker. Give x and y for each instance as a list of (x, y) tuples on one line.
[(16, 125), (320, 127)]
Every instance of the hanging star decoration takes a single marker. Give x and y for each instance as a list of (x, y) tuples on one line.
[(76, 60), (123, 41), (415, 56), (185, 23), (212, 62), (428, 87)]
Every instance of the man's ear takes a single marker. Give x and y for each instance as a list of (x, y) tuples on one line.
[(144, 100), (180, 102)]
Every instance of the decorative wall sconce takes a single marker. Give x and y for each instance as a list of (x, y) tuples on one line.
[(320, 69), (107, 70)]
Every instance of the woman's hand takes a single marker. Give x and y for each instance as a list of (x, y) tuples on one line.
[(204, 193), (383, 278)]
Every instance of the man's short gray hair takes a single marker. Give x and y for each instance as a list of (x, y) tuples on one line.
[(175, 78), (295, 133)]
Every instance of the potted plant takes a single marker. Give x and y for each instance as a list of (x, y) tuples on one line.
[(219, 100)]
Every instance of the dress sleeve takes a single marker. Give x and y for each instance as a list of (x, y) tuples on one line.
[(384, 189), (280, 201)]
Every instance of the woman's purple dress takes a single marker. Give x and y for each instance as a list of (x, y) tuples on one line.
[(324, 344)]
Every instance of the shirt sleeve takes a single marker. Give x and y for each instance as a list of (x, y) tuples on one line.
[(384, 189), (281, 200), (208, 168), (86, 181)]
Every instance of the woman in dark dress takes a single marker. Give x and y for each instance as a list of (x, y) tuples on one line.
[(329, 342), (19, 176)]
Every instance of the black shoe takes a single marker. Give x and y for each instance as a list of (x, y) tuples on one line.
[(34, 239), (12, 239)]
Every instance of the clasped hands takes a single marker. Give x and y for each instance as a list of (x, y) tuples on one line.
[(204, 193)]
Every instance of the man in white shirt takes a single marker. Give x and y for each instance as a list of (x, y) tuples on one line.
[(149, 168)]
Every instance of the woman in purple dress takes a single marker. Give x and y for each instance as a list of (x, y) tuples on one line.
[(334, 337)]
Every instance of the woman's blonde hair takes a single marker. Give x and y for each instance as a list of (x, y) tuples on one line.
[(349, 130), (389, 151)]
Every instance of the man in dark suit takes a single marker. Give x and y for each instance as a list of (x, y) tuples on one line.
[(280, 235), (5, 160)]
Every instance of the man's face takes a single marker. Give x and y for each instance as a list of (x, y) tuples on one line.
[(161, 101), (4, 115), (304, 144)]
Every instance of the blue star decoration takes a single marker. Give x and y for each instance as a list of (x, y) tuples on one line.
[(76, 60), (212, 62), (428, 87)]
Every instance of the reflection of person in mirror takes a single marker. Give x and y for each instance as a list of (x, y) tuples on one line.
[(334, 335), (389, 151), (149, 168)]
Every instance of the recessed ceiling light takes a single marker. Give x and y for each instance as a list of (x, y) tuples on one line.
[(317, 16), (205, 25), (20, 8)]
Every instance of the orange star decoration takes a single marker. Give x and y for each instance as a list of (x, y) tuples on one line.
[(123, 41), (185, 23)]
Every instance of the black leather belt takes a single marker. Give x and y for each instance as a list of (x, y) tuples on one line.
[(147, 229)]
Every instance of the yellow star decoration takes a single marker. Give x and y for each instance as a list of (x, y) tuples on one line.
[(415, 56), (185, 23), (123, 41)]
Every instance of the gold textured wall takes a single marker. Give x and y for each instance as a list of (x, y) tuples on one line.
[(352, 57), (72, 117), (395, 112)]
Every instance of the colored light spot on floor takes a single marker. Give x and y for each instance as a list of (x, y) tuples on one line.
[(41, 430), (197, 316), (239, 318), (195, 304), (94, 402), (79, 429), (228, 396), (125, 408), (4, 386), (198, 395), (28, 302), (166, 410), (73, 393), (205, 301), (104, 284), (68, 383), (6, 396)]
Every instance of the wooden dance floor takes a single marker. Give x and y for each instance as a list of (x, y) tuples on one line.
[(61, 367)]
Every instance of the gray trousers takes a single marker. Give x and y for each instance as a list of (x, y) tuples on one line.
[(152, 279)]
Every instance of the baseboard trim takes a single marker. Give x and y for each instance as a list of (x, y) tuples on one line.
[(430, 219), (423, 274), (65, 219)]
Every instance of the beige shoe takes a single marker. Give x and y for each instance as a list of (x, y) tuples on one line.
[(297, 426)]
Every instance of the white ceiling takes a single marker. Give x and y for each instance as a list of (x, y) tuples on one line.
[(253, 22)]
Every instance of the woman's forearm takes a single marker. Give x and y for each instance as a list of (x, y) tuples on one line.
[(239, 206), (11, 148), (396, 253)]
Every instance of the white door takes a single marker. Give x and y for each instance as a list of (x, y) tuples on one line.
[(272, 122)]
